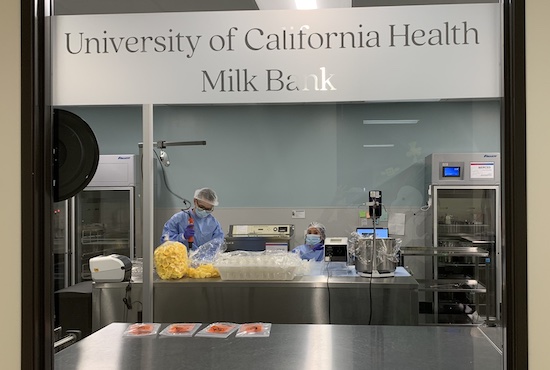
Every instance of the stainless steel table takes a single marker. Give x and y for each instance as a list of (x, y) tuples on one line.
[(327, 298), (290, 347)]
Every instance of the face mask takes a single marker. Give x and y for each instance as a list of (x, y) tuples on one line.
[(201, 213), (312, 239)]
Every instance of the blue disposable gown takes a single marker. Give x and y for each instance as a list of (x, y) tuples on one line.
[(311, 252), (206, 228)]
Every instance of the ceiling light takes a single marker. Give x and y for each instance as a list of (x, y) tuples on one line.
[(302, 4), (378, 145), (390, 121), (306, 4)]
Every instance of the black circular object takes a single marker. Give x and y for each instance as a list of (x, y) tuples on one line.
[(76, 154)]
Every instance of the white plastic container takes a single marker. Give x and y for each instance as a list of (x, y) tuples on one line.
[(242, 265)]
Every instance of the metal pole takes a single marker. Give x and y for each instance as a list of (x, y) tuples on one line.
[(164, 144), (147, 292)]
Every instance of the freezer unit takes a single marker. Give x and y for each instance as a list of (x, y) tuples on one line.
[(104, 225), (100, 220), (465, 213)]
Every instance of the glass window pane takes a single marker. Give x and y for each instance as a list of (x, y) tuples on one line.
[(294, 163)]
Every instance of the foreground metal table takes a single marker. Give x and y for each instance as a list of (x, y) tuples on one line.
[(332, 297), (290, 347)]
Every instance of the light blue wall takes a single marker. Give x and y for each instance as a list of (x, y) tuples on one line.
[(300, 155)]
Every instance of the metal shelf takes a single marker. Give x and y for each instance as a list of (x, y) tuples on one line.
[(442, 287), (123, 242), (451, 264), (444, 251), (457, 228), (477, 239), (458, 319), (452, 285)]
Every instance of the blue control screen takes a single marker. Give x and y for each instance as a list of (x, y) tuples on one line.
[(451, 171), (383, 232)]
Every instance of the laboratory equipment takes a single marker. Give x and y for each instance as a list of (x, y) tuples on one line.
[(99, 220), (75, 154), (112, 268), (336, 250), (374, 256), (105, 213), (464, 211), (375, 204), (259, 237)]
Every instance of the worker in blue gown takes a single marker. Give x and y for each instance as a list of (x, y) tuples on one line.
[(195, 226), (314, 247)]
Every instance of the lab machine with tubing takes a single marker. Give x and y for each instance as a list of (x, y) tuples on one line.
[(463, 218), (375, 257)]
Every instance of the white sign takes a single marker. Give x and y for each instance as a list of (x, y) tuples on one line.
[(396, 223), (332, 55), (482, 170)]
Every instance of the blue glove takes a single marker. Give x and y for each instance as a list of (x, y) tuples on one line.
[(188, 232)]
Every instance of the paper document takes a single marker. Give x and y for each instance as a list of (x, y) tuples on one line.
[(396, 223)]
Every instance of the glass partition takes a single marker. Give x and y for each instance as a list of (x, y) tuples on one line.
[(270, 162)]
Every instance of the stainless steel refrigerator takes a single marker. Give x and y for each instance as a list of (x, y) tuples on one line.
[(100, 220), (464, 228)]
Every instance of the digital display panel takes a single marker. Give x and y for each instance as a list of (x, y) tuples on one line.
[(382, 232), (451, 171)]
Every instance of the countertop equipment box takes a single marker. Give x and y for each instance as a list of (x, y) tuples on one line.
[(336, 249), (112, 268), (259, 237)]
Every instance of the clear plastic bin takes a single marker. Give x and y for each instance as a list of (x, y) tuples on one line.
[(242, 265)]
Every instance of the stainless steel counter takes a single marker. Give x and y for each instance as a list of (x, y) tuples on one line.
[(327, 298), (290, 347)]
